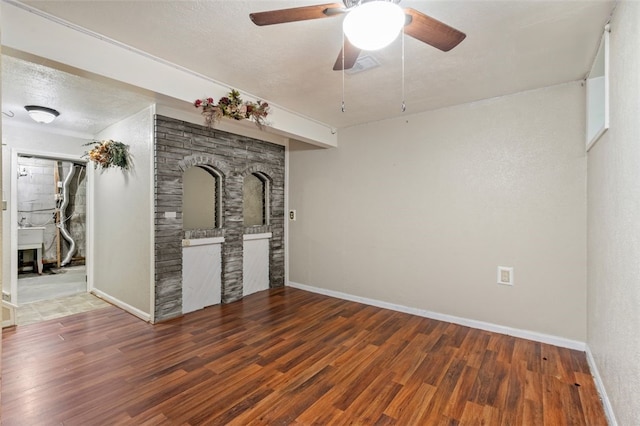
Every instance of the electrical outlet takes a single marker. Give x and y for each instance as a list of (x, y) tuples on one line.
[(505, 275), (292, 215)]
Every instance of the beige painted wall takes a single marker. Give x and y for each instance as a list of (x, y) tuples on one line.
[(420, 211), (123, 217), (614, 226)]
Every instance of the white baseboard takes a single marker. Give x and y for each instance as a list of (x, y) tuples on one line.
[(122, 305), (524, 334), (12, 314), (608, 409)]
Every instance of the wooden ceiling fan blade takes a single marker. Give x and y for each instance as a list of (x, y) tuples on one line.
[(351, 54), (431, 31), (294, 14)]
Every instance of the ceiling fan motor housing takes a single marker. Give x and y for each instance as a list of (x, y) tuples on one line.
[(416, 25), (353, 3)]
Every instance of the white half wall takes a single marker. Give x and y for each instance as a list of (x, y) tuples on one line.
[(255, 263), (614, 228), (201, 274), (123, 226), (420, 211)]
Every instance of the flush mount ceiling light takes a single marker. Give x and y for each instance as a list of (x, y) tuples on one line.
[(41, 114), (373, 25)]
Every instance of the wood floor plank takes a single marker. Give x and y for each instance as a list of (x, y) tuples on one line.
[(514, 412), (286, 356), (418, 406), (408, 361), (477, 415), (590, 401), (532, 414), (443, 394), (369, 405), (533, 387), (456, 404), (474, 346), (401, 401)]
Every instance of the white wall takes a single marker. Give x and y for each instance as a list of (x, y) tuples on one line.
[(614, 226), (37, 140), (124, 219), (6, 314), (420, 211)]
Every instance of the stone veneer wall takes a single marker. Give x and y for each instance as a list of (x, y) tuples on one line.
[(180, 145)]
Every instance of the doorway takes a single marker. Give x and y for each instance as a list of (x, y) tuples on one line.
[(49, 223)]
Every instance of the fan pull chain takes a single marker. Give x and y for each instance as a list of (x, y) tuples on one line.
[(404, 106), (342, 107)]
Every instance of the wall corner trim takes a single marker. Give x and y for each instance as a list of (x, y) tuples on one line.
[(606, 404), (122, 305), (496, 328)]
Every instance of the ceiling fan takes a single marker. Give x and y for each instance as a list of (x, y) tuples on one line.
[(416, 24)]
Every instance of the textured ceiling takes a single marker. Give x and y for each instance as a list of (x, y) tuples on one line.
[(511, 46), (86, 105)]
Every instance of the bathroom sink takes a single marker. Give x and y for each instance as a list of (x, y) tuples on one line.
[(30, 236)]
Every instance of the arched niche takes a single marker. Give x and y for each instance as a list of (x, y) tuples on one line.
[(201, 198), (255, 193)]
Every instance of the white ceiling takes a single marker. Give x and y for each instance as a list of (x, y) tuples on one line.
[(87, 105), (511, 46)]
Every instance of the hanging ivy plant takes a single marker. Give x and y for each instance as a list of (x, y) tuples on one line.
[(109, 153)]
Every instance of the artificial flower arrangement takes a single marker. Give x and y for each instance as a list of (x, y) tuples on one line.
[(232, 106), (109, 153)]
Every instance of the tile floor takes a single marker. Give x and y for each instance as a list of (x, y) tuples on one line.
[(30, 313), (54, 294), (53, 283)]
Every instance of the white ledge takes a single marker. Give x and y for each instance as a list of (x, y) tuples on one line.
[(202, 241), (263, 236)]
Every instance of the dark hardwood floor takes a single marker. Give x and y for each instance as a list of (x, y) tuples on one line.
[(283, 357)]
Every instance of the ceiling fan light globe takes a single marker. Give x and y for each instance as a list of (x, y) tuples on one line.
[(373, 25)]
